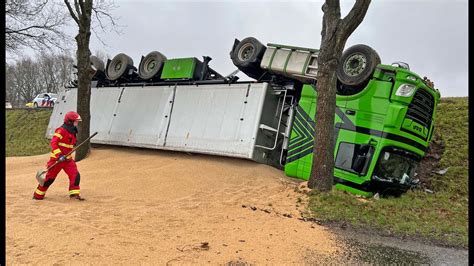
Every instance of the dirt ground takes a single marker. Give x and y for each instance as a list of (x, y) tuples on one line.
[(158, 207)]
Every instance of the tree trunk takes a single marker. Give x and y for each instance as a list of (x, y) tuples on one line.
[(335, 33), (83, 86), (323, 159)]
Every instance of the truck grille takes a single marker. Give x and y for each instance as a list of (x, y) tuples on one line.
[(421, 108)]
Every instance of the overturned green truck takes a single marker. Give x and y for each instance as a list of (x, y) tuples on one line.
[(384, 118), (381, 134)]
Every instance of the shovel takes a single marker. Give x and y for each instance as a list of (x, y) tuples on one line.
[(40, 174)]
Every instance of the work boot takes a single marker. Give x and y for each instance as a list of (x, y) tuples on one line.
[(76, 197)]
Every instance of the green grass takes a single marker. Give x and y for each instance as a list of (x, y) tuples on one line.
[(441, 217), (25, 132)]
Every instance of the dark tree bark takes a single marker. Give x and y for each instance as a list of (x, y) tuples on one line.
[(81, 14), (335, 33)]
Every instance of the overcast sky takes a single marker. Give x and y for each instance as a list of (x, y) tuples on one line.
[(431, 36)]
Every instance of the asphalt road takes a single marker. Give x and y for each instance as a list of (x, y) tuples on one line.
[(375, 249)]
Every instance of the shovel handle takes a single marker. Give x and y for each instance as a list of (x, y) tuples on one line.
[(73, 150)]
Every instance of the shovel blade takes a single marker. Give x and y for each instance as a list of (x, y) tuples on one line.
[(40, 176)]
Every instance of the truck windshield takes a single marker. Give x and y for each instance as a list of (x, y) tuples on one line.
[(395, 166)]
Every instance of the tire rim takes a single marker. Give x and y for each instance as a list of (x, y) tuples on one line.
[(118, 66), (246, 52), (150, 65), (355, 64)]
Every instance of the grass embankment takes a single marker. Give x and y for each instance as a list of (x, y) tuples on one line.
[(25, 132), (440, 217)]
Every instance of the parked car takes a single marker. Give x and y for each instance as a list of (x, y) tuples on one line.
[(45, 100), (8, 105)]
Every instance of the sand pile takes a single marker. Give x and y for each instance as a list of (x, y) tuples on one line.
[(158, 207)]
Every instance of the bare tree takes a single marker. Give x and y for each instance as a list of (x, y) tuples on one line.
[(27, 77), (26, 80), (47, 70), (335, 33), (82, 12), (55, 70), (10, 92), (35, 24), (65, 69)]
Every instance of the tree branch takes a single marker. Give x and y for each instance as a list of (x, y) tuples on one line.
[(71, 12), (355, 16), (83, 8), (10, 31), (78, 9)]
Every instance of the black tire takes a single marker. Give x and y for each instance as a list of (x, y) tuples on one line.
[(97, 63), (119, 66), (51, 104), (357, 65), (35, 105), (248, 53), (151, 65)]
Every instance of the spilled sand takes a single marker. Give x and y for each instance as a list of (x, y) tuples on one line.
[(158, 207)]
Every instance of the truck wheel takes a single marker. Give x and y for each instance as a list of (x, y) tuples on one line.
[(357, 65), (247, 55), (119, 65), (97, 63), (248, 52), (151, 65)]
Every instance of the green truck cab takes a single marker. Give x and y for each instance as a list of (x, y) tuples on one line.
[(381, 132)]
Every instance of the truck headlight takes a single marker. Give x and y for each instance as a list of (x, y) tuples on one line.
[(405, 90)]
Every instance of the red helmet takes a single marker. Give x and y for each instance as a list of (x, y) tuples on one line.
[(70, 117)]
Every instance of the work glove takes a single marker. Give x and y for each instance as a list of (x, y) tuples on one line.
[(62, 158)]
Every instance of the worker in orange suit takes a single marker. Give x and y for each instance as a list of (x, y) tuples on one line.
[(62, 143)]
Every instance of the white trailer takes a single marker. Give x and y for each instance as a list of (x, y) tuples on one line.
[(244, 120)]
